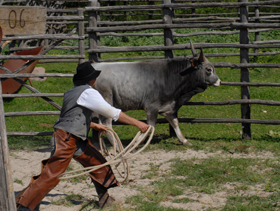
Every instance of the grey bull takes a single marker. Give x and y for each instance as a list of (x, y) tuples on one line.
[(158, 86)]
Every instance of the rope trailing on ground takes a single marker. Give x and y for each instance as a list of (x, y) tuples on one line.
[(123, 155)]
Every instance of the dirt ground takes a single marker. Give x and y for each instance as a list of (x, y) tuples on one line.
[(25, 164)]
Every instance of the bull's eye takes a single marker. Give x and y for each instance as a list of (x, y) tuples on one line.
[(209, 70)]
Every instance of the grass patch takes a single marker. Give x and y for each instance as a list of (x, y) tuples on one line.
[(210, 175), (18, 181), (152, 172), (254, 202), (140, 203), (183, 200), (70, 200), (28, 143)]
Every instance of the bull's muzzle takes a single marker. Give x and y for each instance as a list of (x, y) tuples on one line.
[(217, 83)]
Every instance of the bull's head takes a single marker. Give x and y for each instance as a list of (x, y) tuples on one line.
[(211, 78)]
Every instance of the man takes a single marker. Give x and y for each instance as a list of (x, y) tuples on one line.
[(70, 140)]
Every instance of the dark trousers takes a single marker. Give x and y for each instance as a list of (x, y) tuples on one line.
[(66, 146)]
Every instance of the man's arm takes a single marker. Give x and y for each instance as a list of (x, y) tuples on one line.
[(94, 101), (124, 118)]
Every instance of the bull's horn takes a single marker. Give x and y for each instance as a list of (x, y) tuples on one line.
[(192, 48), (202, 58)]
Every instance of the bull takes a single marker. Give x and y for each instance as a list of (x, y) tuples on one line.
[(157, 86)]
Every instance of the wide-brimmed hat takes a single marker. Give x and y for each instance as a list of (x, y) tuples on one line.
[(85, 72)]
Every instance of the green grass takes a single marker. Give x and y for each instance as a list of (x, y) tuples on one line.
[(210, 175), (70, 200), (252, 203)]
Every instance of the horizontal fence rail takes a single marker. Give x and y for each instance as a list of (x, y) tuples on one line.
[(180, 6)]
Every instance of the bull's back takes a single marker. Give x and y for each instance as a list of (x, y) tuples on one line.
[(128, 85)]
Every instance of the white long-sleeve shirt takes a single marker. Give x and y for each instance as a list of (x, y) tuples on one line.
[(93, 100)]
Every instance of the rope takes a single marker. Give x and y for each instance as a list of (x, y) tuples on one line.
[(122, 156), (116, 144)]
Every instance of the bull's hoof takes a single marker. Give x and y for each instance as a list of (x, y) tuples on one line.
[(187, 143)]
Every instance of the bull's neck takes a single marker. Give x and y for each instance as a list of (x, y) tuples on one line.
[(185, 87)]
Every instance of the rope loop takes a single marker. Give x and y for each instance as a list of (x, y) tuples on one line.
[(119, 155)]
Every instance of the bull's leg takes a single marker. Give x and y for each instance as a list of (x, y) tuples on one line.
[(173, 121)]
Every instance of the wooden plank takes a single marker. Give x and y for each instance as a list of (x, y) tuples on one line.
[(31, 113), (35, 95), (39, 56), (92, 8), (44, 36), (180, 26), (104, 49), (34, 75), (7, 198), (235, 102), (20, 20)]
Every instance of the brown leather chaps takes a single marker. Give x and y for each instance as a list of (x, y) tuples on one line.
[(65, 147)]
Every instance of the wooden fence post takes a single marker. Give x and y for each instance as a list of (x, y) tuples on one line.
[(193, 10), (168, 41), (168, 35), (244, 58), (151, 12), (81, 32), (92, 36), (257, 34), (7, 197)]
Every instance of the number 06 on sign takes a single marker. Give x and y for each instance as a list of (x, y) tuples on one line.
[(22, 20)]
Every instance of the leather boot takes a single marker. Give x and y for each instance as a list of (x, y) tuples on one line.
[(41, 185), (106, 200), (92, 157), (102, 178), (33, 179), (103, 196)]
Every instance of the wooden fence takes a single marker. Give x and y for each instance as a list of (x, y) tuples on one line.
[(109, 18), (98, 20)]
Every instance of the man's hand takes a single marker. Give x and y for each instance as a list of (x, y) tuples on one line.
[(98, 127), (143, 127)]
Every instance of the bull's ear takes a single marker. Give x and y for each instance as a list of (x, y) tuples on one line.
[(193, 50), (202, 58)]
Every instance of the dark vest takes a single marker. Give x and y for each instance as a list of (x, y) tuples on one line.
[(74, 119)]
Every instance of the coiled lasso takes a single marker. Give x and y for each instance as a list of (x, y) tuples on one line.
[(119, 155)]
